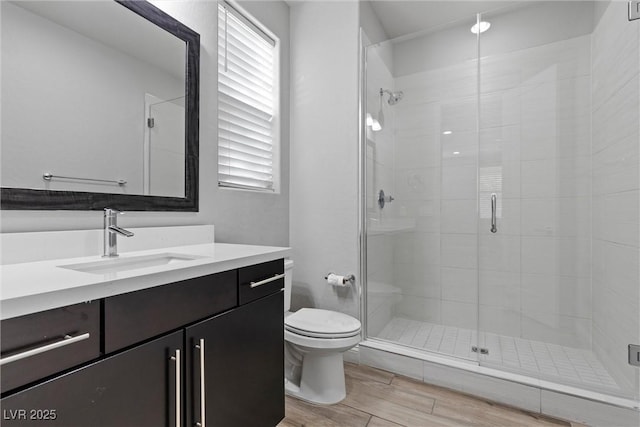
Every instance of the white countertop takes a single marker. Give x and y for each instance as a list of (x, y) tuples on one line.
[(31, 287)]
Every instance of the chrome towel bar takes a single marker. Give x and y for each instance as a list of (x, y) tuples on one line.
[(49, 176)]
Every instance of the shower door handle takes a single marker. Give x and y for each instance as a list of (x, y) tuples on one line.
[(494, 206)]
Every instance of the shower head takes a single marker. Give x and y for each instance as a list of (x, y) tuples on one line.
[(394, 97)]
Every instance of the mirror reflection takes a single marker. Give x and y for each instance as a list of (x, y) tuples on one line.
[(93, 100)]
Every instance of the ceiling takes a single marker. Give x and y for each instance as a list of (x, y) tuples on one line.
[(401, 17)]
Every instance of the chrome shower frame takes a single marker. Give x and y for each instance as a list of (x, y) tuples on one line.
[(371, 345), (362, 181)]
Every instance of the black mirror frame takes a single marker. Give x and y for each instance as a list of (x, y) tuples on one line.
[(31, 199)]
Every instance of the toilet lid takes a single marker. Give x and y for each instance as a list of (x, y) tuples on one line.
[(315, 322)]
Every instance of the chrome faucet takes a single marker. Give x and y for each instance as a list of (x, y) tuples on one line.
[(111, 231)]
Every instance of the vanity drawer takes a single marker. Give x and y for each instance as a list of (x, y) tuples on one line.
[(41, 344), (137, 316), (260, 280)]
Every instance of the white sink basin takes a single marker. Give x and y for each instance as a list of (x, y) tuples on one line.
[(114, 265)]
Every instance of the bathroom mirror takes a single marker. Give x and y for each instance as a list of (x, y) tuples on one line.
[(99, 107)]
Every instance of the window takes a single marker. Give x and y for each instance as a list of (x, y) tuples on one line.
[(248, 126)]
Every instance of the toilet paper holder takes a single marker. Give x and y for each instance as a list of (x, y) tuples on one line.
[(348, 278)]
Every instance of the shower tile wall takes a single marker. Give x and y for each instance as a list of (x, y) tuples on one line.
[(616, 139), (535, 153)]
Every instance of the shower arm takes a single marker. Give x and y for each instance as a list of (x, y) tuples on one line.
[(394, 97)]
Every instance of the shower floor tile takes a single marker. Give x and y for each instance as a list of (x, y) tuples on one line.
[(547, 361)]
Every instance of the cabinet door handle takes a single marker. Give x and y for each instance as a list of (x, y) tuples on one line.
[(203, 411), (66, 340), (176, 359), (265, 281)]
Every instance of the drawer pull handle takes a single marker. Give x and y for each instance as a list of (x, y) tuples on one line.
[(265, 281), (67, 340)]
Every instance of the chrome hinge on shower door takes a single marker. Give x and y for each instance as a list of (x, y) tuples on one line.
[(475, 349), (634, 355), (634, 10)]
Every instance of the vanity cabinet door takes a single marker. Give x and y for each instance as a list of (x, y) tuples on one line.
[(135, 388), (242, 376)]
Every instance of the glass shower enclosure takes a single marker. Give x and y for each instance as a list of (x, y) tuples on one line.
[(500, 192)]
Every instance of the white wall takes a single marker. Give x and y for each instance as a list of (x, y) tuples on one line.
[(375, 33), (239, 217), (324, 152), (249, 217), (370, 23), (616, 212)]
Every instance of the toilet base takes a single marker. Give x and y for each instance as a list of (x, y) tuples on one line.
[(322, 379)]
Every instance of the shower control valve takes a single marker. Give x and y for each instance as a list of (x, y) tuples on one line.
[(382, 199)]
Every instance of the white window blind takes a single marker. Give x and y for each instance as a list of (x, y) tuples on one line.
[(246, 103)]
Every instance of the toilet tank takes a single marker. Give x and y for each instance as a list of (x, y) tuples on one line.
[(288, 281)]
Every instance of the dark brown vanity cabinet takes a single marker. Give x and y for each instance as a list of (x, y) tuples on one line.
[(135, 388), (183, 354), (135, 316), (236, 371)]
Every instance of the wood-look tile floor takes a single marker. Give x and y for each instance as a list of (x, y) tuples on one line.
[(377, 398)]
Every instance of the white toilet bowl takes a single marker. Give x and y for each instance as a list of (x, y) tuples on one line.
[(322, 377), (315, 341)]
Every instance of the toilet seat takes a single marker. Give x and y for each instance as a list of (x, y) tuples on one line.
[(312, 334), (324, 324), (321, 345)]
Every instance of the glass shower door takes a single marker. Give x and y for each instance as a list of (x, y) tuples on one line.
[(509, 161), (422, 151), (164, 147), (559, 284)]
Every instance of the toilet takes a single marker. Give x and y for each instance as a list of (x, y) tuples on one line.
[(315, 340)]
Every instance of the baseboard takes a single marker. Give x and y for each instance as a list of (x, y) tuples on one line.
[(353, 355)]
